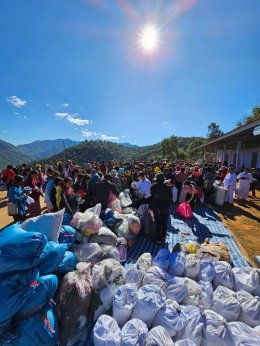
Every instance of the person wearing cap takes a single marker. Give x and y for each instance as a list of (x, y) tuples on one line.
[(230, 183), (161, 199)]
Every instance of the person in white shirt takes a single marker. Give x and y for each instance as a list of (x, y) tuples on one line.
[(230, 183), (143, 190), (244, 180)]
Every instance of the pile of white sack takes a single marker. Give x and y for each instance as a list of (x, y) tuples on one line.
[(178, 299)]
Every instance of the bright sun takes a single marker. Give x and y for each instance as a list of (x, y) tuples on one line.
[(149, 38)]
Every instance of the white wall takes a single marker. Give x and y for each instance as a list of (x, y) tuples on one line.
[(245, 159)]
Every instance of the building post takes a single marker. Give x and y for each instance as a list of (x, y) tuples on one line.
[(239, 145), (216, 152), (224, 153)]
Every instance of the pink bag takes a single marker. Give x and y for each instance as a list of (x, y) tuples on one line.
[(184, 210)]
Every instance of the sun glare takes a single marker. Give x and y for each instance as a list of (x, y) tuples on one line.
[(149, 38)]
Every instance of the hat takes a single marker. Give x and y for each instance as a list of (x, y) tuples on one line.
[(113, 172)]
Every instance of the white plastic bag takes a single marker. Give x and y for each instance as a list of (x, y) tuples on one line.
[(171, 317), (246, 279), (185, 342), (207, 271), (104, 236), (107, 272), (176, 289), (194, 327), (106, 332), (124, 199), (194, 293), (116, 206), (257, 330), (134, 333), (223, 275), (134, 274), (150, 300), (177, 264), (106, 296), (225, 303), (192, 267), (88, 222), (158, 336), (156, 276), (122, 229), (162, 259), (206, 295), (216, 330), (250, 308), (124, 302), (243, 334), (145, 261), (88, 252)]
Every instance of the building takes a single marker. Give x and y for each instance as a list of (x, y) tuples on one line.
[(240, 147)]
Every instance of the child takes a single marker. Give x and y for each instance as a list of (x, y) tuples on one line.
[(68, 197)]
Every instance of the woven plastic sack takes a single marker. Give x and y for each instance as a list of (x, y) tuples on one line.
[(184, 210), (105, 297), (216, 330), (206, 295), (90, 253), (158, 336), (20, 250), (207, 271), (107, 272), (134, 333), (257, 290), (150, 300), (171, 317), (135, 274), (73, 300), (193, 328), (162, 259), (185, 342), (246, 279), (145, 261), (192, 267), (156, 276), (250, 308), (48, 224), (226, 304), (16, 288), (104, 236), (47, 286), (257, 330), (177, 264), (243, 334), (124, 302), (53, 254), (67, 235), (223, 275), (176, 289), (106, 332), (68, 264), (194, 293)]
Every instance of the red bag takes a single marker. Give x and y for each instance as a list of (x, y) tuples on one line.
[(184, 210)]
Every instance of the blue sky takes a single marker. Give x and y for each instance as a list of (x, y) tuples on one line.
[(74, 68)]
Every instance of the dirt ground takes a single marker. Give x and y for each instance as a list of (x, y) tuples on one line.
[(242, 219)]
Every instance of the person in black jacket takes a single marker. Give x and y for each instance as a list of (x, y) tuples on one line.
[(161, 198), (102, 191)]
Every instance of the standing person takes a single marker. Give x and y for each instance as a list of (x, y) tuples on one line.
[(143, 190), (102, 191), (32, 181), (230, 183), (209, 179), (49, 186), (8, 176), (16, 195), (244, 180), (161, 199), (179, 178), (68, 197), (254, 182)]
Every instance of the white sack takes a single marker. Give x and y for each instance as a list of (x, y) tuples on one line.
[(224, 275), (124, 302), (194, 327), (162, 259), (246, 279), (122, 229), (109, 251), (124, 199), (207, 271), (171, 317), (206, 295), (134, 333), (226, 304), (104, 236), (177, 264), (106, 332), (216, 331), (134, 274), (192, 266), (158, 336), (107, 272), (194, 293), (150, 300), (243, 334), (88, 252), (257, 330), (106, 296), (145, 261), (250, 308), (176, 289), (185, 342), (156, 276)]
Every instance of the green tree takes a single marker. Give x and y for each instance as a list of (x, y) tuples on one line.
[(214, 131), (251, 117), (195, 154)]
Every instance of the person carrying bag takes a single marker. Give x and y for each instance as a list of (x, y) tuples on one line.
[(16, 199)]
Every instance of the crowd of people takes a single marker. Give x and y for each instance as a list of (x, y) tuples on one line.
[(159, 184)]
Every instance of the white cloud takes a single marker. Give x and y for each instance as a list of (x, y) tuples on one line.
[(123, 136), (65, 104), (16, 113), (165, 123), (109, 138), (87, 133), (16, 101), (72, 118), (47, 104)]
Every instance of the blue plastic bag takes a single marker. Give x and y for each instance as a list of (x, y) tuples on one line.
[(15, 289), (66, 219), (20, 250), (68, 264), (47, 286), (40, 330), (53, 254), (67, 235)]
